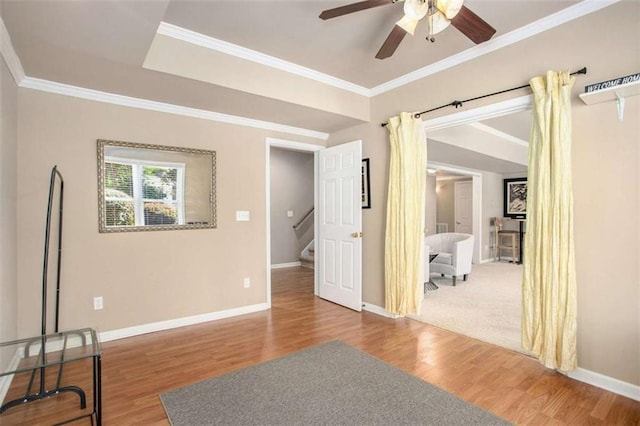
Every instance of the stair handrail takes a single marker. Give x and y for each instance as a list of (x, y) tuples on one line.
[(305, 217)]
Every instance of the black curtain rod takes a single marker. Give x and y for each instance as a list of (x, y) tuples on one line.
[(458, 104)]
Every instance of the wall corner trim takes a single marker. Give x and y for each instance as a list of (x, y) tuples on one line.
[(137, 330), (9, 55)]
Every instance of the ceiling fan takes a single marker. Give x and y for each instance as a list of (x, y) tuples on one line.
[(439, 13)]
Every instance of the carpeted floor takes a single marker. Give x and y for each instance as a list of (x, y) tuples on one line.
[(330, 384), (487, 306)]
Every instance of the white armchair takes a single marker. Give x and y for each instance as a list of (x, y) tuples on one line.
[(455, 254)]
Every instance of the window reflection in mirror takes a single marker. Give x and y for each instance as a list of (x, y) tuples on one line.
[(151, 187)]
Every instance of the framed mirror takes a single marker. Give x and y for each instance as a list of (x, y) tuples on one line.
[(145, 187)]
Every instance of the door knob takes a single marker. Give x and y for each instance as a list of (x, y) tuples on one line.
[(356, 234)]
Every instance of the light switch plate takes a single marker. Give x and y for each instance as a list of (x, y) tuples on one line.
[(242, 216), (289, 213)]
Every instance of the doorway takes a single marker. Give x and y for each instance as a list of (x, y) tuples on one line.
[(338, 167), (488, 305), (444, 178), (290, 146), (463, 207)]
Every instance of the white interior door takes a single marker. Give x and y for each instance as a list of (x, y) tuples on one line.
[(464, 207), (339, 239)]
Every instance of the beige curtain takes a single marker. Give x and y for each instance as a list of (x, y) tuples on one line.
[(549, 282), (404, 238)]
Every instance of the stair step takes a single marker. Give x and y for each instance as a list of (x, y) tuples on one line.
[(307, 261)]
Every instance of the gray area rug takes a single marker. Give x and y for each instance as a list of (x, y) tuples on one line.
[(330, 384)]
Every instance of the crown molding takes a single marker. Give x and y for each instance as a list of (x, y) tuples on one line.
[(202, 40), (565, 15), (9, 55), (499, 134), (112, 98)]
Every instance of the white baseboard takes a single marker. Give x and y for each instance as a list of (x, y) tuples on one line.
[(605, 382), (179, 322), (378, 310), (5, 381), (285, 265)]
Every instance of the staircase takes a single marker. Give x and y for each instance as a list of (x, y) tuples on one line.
[(307, 257)]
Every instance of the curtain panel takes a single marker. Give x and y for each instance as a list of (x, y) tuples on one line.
[(404, 239), (549, 314)]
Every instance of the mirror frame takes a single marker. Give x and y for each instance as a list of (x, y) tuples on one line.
[(102, 228)]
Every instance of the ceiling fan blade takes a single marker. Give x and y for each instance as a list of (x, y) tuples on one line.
[(472, 26), (354, 7), (391, 43)]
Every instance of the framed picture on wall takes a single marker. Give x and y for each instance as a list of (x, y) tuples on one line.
[(515, 198), (366, 190)]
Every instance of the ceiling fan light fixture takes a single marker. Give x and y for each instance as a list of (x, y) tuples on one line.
[(414, 11), (449, 8), (437, 22), (408, 24)]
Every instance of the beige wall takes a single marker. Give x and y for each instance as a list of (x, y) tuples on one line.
[(8, 218), (431, 206), (445, 194), (291, 189), (144, 277), (605, 163), (606, 159)]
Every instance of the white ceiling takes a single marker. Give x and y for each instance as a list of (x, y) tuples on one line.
[(102, 45)]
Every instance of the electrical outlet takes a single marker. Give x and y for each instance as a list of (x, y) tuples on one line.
[(247, 282), (98, 303)]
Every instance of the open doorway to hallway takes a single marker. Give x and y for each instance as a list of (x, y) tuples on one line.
[(291, 208), (290, 200)]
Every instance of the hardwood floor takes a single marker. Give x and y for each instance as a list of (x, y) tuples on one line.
[(506, 383)]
